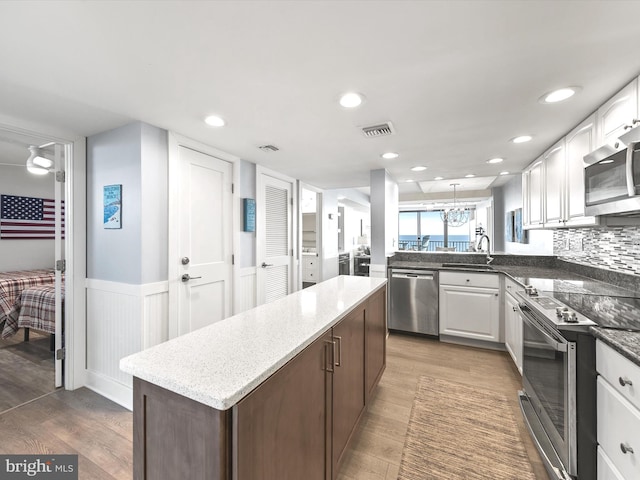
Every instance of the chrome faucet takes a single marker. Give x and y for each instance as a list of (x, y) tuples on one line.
[(479, 247)]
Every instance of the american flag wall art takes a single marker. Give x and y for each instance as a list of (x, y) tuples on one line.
[(28, 217)]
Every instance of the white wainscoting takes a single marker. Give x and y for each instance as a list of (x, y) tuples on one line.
[(246, 298), (121, 319)]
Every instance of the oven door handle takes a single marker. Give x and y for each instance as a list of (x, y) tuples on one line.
[(557, 346)]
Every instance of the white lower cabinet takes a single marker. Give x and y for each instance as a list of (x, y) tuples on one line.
[(309, 268), (513, 330), (618, 411), (469, 305)]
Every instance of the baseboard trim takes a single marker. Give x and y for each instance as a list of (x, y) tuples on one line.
[(108, 388)]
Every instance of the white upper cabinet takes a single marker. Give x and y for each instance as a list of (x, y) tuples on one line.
[(579, 142), (619, 112), (554, 168), (534, 194)]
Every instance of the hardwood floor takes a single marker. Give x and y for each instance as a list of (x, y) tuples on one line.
[(377, 445), (100, 432), (26, 369)]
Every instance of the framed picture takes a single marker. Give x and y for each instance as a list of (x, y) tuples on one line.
[(519, 233), (509, 235), (249, 214), (112, 201)]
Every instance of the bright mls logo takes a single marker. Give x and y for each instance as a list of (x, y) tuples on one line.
[(54, 467)]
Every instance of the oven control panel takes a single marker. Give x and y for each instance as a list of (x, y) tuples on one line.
[(553, 309)]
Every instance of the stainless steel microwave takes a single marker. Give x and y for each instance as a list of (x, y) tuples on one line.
[(612, 180)]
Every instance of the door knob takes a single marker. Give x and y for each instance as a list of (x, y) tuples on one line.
[(186, 277), (185, 260), (265, 265)]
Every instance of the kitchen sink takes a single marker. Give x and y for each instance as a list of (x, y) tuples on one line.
[(468, 266)]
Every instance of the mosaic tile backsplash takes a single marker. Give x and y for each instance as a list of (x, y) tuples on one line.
[(612, 248)]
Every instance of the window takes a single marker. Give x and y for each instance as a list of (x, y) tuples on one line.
[(426, 231)]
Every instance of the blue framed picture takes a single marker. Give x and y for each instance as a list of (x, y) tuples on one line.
[(509, 234), (112, 206), (249, 214)]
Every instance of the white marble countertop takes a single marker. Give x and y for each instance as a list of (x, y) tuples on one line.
[(219, 364)]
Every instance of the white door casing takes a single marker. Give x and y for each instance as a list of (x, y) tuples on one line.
[(200, 283), (274, 236), (58, 255)]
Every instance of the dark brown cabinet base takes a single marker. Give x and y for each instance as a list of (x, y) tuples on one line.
[(296, 425)]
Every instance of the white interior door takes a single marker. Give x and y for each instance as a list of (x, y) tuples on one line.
[(205, 240), (274, 237)]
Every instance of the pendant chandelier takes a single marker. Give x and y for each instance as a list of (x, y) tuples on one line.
[(456, 216)]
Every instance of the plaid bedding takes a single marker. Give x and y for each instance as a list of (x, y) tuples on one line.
[(35, 308), (12, 284)]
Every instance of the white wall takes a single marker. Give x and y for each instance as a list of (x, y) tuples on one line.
[(507, 198), (384, 220), (25, 254)]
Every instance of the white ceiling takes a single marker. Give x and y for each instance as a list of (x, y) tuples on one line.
[(458, 79)]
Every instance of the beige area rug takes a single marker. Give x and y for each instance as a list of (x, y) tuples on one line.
[(460, 432)]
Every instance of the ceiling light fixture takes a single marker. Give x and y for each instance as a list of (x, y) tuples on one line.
[(495, 160), (456, 216), (37, 163), (351, 100), (389, 155), (419, 168), (408, 181), (470, 175), (559, 95), (438, 178), (214, 121), (522, 139), (504, 173)]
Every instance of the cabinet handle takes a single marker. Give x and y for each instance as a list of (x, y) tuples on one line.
[(330, 346), (339, 339), (624, 381), (625, 447), (515, 309)]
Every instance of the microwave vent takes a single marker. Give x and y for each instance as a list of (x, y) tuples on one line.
[(379, 130)]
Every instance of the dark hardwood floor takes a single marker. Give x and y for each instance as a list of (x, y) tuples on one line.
[(100, 432)]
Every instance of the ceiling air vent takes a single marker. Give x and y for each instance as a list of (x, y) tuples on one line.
[(268, 148), (378, 130)]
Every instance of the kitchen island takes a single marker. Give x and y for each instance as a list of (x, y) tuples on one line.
[(271, 393)]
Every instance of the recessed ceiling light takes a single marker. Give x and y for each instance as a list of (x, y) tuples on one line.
[(214, 121), (470, 175), (495, 160), (419, 168), (351, 100), (439, 178), (408, 181), (389, 155), (522, 139), (504, 173), (559, 95)]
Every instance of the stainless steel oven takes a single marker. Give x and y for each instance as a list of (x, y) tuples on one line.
[(558, 398), (549, 381)]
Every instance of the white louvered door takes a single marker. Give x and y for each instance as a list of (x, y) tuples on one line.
[(274, 238)]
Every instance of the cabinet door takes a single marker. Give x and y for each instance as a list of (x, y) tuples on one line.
[(375, 340), (554, 173), (513, 330), (579, 143), (348, 382), (284, 425), (470, 312), (535, 191), (618, 112)]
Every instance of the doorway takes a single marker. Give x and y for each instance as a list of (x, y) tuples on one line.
[(32, 256)]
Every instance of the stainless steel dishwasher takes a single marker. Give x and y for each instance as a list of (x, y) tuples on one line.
[(413, 301)]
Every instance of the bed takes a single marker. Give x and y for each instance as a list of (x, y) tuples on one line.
[(38, 302)]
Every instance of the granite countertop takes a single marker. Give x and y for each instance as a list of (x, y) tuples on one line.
[(220, 364), (624, 342)]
